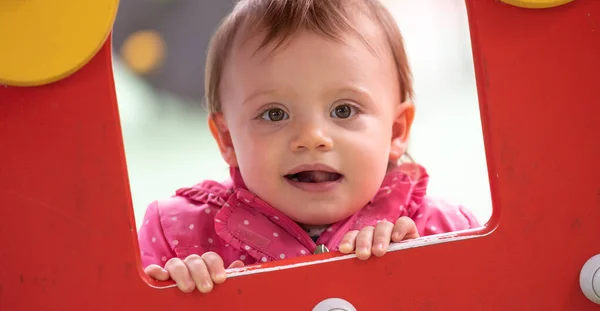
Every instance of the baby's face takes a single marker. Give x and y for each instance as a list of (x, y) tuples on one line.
[(311, 123)]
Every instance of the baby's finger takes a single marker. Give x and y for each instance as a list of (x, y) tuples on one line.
[(348, 242), (215, 266), (199, 273), (180, 274), (404, 229), (157, 272), (236, 264), (382, 237), (364, 242)]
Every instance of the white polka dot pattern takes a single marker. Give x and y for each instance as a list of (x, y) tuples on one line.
[(176, 227)]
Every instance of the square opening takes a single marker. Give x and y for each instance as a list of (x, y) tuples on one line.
[(159, 74)]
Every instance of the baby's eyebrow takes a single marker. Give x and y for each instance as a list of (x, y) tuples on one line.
[(352, 89), (355, 90), (259, 94)]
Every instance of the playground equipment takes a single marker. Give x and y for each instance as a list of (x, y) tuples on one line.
[(68, 236)]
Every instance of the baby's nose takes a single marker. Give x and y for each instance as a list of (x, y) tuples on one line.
[(311, 137)]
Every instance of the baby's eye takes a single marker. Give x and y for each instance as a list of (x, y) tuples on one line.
[(343, 111), (274, 114)]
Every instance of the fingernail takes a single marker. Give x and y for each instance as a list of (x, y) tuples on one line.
[(220, 275), (345, 245), (206, 285), (379, 246), (363, 250)]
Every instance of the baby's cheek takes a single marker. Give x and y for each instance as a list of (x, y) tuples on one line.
[(368, 172), (370, 162), (260, 174)]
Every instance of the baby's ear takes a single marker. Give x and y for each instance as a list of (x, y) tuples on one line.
[(221, 134), (404, 116)]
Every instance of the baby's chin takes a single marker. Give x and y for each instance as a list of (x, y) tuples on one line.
[(318, 216)]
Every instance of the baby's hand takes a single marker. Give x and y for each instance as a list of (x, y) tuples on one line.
[(194, 271), (375, 240)]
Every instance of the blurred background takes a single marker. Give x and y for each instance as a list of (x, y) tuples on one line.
[(159, 52)]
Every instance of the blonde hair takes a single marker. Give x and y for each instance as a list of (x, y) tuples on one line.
[(281, 19)]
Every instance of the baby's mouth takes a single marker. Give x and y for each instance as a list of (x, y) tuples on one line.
[(314, 176)]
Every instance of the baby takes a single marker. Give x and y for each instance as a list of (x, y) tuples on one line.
[(310, 105)]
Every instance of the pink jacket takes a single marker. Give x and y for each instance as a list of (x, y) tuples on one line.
[(228, 219)]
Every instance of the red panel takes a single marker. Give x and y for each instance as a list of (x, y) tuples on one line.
[(67, 240)]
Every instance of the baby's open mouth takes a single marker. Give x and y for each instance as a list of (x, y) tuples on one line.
[(314, 176)]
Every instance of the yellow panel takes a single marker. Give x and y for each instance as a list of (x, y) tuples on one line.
[(42, 41), (536, 4)]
